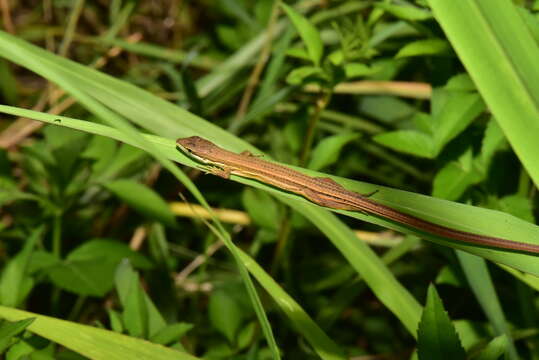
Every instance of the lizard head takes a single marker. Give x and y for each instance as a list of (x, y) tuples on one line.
[(196, 147)]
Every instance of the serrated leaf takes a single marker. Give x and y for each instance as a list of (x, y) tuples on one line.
[(407, 141), (436, 335), (424, 47), (142, 199), (327, 151), (308, 32)]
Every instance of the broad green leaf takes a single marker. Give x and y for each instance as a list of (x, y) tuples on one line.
[(456, 111), (492, 141), (298, 75), (226, 314), (387, 109), (229, 36), (518, 205), (308, 32), (405, 11), (111, 250), (424, 47), (42, 260), (171, 333), (454, 178), (460, 82), (84, 277), (327, 151), (139, 313), (102, 151), (261, 207), (220, 350), (94, 343), (437, 338), (353, 70), (121, 162), (407, 141), (246, 335), (135, 314), (298, 53), (115, 319), (142, 199)]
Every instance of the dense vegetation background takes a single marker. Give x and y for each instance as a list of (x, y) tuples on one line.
[(100, 228)]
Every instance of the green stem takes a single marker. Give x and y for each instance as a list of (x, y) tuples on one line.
[(313, 122)]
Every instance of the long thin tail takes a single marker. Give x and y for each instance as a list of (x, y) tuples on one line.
[(435, 229)]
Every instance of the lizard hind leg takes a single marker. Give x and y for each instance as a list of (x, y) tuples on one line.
[(370, 194), (250, 154), (324, 200)]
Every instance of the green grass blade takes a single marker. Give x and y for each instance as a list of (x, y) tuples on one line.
[(500, 54), (323, 345), (93, 342), (478, 276)]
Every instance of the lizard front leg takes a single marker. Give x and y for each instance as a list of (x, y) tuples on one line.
[(224, 173)]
